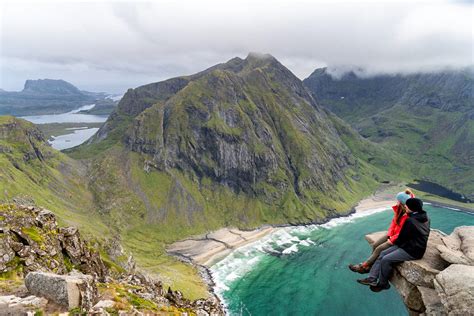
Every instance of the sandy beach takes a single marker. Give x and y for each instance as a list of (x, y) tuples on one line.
[(376, 201), (205, 250), (208, 249)]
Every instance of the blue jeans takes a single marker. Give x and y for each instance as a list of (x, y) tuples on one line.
[(383, 266)]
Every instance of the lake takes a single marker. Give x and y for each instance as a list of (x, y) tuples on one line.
[(303, 270), (77, 136)]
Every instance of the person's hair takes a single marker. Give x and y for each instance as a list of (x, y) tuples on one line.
[(402, 209), (409, 192)]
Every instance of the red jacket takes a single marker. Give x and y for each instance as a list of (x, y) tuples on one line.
[(395, 228)]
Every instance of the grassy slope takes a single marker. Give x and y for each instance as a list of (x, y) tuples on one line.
[(151, 209), (426, 117), (54, 183), (430, 157)]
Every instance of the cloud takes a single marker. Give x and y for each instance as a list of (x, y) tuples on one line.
[(116, 45)]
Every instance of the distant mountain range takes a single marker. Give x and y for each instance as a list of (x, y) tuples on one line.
[(47, 96), (427, 117)]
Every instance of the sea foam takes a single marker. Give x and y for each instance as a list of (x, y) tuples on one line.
[(284, 241)]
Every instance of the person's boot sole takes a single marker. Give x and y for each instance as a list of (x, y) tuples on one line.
[(376, 288), (364, 282)]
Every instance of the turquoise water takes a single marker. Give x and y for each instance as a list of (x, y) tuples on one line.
[(303, 270)]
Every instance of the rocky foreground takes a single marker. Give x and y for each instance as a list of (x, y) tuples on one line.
[(51, 269), (442, 282)]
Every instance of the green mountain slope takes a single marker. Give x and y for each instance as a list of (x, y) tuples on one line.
[(426, 117), (240, 144), (33, 172)]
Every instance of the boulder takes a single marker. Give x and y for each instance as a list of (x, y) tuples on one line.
[(432, 302), (409, 292), (7, 254), (466, 235), (74, 290), (455, 287), (442, 282), (453, 256), (14, 305), (458, 248)]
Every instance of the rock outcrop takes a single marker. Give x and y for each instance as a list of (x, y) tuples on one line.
[(30, 240), (13, 305), (442, 282), (70, 291), (48, 257)]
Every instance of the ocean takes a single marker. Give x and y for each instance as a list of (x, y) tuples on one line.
[(303, 270)]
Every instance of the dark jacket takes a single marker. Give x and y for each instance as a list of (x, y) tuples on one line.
[(413, 237)]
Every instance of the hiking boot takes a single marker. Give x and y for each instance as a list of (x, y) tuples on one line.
[(368, 281), (359, 268), (378, 287)]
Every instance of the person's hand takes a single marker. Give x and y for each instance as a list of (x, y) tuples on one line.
[(390, 242)]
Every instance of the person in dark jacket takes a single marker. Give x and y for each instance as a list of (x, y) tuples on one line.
[(410, 245)]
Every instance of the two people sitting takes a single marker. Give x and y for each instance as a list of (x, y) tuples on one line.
[(406, 240)]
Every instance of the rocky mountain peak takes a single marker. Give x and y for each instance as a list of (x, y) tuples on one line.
[(241, 124), (50, 86), (260, 58)]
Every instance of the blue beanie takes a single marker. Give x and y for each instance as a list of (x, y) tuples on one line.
[(402, 197)]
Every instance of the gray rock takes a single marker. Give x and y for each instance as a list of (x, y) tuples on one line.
[(458, 248), (104, 304), (431, 286), (466, 235), (453, 256), (7, 252), (75, 290), (432, 302), (455, 287), (409, 292), (13, 305)]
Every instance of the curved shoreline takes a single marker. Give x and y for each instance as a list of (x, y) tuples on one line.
[(207, 249), (181, 249)]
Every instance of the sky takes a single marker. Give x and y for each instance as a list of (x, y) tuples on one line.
[(115, 45)]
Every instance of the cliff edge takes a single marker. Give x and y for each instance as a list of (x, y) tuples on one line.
[(442, 282), (48, 269)]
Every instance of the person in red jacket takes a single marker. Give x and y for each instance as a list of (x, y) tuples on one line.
[(399, 218)]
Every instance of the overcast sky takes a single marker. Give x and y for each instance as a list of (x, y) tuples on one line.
[(111, 46)]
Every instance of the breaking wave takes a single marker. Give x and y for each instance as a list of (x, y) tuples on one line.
[(284, 241)]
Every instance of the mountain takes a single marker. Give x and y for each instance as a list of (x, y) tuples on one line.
[(240, 144), (249, 126), (45, 96), (426, 117), (50, 86), (33, 172)]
